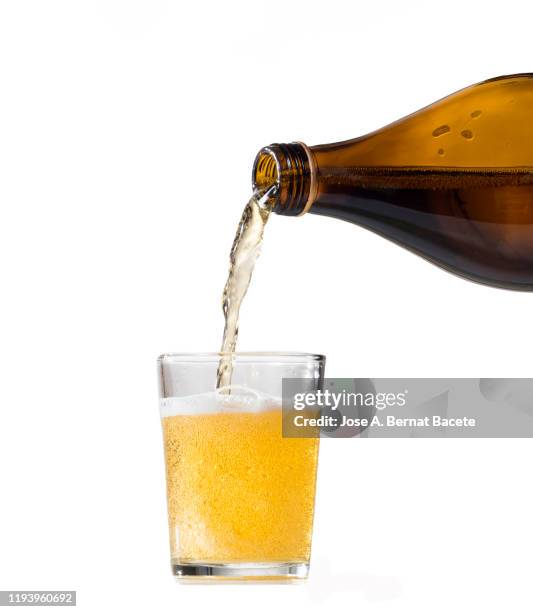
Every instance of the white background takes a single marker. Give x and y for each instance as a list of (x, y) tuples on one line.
[(127, 134)]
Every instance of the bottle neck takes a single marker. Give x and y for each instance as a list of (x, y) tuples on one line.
[(291, 167)]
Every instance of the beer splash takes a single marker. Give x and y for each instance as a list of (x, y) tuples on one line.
[(243, 255)]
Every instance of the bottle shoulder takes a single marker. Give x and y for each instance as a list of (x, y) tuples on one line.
[(488, 125)]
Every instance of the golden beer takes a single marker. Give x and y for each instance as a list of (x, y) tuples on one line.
[(238, 492)]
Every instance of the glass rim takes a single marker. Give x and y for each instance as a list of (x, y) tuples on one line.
[(267, 357)]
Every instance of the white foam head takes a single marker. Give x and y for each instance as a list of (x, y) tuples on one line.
[(241, 399)]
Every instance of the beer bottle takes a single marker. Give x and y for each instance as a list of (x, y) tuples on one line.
[(452, 182)]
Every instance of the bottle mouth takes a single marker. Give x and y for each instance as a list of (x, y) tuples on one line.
[(290, 168)]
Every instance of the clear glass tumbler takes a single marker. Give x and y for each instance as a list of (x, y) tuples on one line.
[(240, 496)]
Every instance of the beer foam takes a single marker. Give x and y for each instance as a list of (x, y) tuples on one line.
[(241, 399)]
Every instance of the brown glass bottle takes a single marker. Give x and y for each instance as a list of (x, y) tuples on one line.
[(452, 182)]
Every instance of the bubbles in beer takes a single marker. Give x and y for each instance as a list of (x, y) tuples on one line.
[(443, 129)]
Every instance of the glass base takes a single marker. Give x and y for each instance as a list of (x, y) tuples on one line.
[(282, 572)]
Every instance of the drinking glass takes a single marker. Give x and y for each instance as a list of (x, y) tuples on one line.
[(240, 496)]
